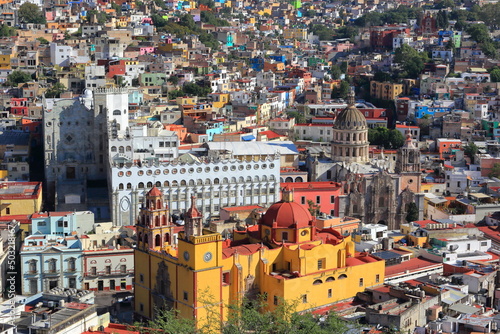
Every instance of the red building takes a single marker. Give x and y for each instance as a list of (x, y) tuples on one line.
[(116, 68), (324, 195), (19, 106), (381, 37)]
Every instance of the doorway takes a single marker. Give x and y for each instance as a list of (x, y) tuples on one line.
[(100, 285), (112, 284)]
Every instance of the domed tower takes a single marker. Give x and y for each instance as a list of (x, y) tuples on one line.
[(287, 221), (154, 229), (408, 165), (350, 134)]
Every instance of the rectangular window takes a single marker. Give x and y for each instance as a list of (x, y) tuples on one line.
[(65, 224), (332, 199), (141, 307), (123, 269), (141, 278), (377, 278), (108, 270), (275, 300), (321, 264), (185, 296), (59, 224), (303, 200), (484, 243), (329, 293), (318, 199), (225, 278), (304, 299), (93, 271), (361, 282)]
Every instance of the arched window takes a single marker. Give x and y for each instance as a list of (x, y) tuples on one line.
[(157, 240), (289, 179), (129, 148), (183, 182), (163, 220), (317, 282), (166, 184), (146, 241), (343, 276), (120, 186), (199, 182), (157, 221), (158, 184), (330, 279), (167, 237), (117, 112), (121, 149), (191, 182), (175, 183), (158, 203), (225, 180), (207, 182), (129, 185), (140, 185), (150, 185), (216, 181), (256, 178), (113, 148)]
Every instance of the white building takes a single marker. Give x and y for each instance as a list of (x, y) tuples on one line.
[(215, 183), (95, 76)]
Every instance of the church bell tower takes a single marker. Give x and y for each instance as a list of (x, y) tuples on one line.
[(408, 165)]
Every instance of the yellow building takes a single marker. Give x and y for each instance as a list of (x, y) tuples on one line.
[(4, 62), (20, 198), (219, 100), (285, 257), (385, 90), (295, 33)]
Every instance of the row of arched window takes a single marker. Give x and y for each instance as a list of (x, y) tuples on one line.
[(329, 279), (199, 182), (121, 149)]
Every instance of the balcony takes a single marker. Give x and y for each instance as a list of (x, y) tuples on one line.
[(31, 272), (70, 270), (109, 273), (52, 272)]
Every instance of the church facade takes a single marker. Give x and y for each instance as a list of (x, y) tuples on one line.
[(286, 256), (375, 191)]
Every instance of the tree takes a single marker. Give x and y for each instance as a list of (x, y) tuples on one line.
[(471, 150), (43, 40), (341, 91), (389, 139), (55, 90), (489, 49), (336, 72), (495, 170), (117, 8), (314, 209), (30, 13), (479, 32), (382, 77), (17, 77), (411, 61), (300, 118), (6, 31), (495, 75), (173, 79), (411, 212)]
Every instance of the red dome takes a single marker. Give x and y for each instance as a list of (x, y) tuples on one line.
[(286, 214)]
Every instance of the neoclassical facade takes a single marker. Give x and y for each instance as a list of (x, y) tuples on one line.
[(375, 191), (214, 183)]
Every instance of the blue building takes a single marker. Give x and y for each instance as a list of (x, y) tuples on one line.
[(50, 261), (421, 111), (62, 223), (257, 63)]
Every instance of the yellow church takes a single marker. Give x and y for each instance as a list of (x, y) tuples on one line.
[(285, 257)]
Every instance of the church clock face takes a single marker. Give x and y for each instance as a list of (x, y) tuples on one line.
[(207, 257), (186, 255)]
